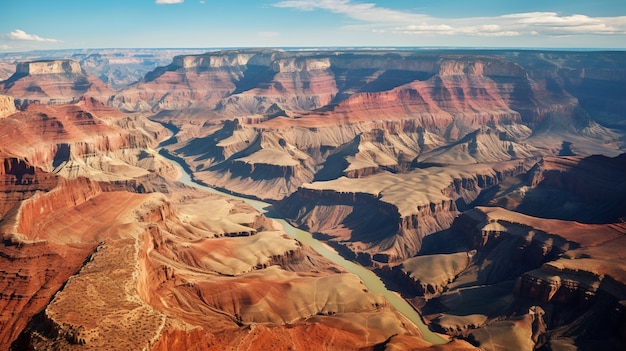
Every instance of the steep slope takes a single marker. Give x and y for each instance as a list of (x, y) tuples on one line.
[(499, 275), (484, 145), (7, 106), (380, 153), (193, 79), (53, 81), (384, 217), (170, 275), (84, 139), (553, 274), (585, 189)]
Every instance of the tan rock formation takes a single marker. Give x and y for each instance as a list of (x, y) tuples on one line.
[(7, 106), (53, 81), (171, 275), (376, 152), (527, 274), (48, 67), (85, 139), (385, 217), (298, 117), (6, 70)]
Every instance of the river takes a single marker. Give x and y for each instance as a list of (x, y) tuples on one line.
[(369, 278)]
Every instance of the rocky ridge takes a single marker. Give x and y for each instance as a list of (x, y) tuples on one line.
[(7, 106), (53, 81), (372, 220)]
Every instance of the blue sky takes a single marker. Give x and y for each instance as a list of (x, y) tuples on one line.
[(46, 24)]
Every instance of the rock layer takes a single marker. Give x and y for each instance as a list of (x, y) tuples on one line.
[(385, 217), (7, 106), (53, 81)]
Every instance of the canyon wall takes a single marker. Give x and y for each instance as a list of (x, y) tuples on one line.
[(48, 67), (7, 106), (53, 81), (383, 218)]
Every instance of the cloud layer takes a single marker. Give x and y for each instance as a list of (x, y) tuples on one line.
[(382, 19), (19, 34), (169, 1)]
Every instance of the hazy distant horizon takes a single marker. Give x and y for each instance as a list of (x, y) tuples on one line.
[(316, 48)]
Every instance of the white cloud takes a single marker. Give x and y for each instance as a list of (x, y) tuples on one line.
[(380, 19), (551, 23), (19, 34), (160, 2), (362, 11)]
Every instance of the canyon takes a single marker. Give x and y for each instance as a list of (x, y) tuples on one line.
[(485, 187)]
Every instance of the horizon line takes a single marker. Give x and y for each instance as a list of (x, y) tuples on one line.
[(346, 47)]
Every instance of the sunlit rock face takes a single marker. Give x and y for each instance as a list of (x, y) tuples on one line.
[(7, 106), (53, 81), (48, 67)]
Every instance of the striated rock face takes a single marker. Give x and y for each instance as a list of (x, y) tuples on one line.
[(178, 277), (432, 89), (384, 155), (385, 217), (431, 282), (586, 189), (262, 123), (35, 267), (7, 106), (48, 67), (54, 81), (525, 279), (85, 139)]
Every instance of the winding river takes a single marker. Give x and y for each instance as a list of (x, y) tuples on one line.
[(369, 278)]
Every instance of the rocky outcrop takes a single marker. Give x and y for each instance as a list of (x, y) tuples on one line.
[(53, 81), (379, 153), (443, 269), (385, 217), (586, 189), (85, 139), (431, 86), (31, 273), (536, 280), (200, 268), (20, 181), (484, 145), (7, 106), (48, 67)]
